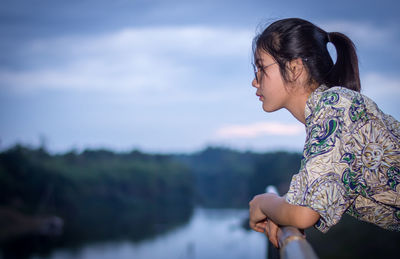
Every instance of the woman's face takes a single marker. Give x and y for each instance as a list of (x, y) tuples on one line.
[(270, 85)]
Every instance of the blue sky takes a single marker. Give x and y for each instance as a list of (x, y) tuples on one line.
[(166, 76)]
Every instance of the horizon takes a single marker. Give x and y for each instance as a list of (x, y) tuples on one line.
[(129, 151)]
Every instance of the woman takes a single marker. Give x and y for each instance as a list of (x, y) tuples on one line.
[(351, 157)]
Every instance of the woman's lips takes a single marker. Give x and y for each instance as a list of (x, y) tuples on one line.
[(260, 97)]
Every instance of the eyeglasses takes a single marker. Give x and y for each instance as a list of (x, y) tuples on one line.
[(261, 69)]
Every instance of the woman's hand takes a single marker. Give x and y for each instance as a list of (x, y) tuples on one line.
[(259, 221), (271, 231), (257, 218)]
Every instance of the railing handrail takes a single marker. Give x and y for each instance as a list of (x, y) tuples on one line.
[(292, 243)]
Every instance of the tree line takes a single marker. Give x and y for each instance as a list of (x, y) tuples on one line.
[(35, 181)]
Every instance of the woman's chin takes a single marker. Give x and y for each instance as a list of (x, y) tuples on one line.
[(269, 108)]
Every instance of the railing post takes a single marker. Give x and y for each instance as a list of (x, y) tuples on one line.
[(292, 243)]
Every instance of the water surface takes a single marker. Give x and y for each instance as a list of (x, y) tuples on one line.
[(210, 233)]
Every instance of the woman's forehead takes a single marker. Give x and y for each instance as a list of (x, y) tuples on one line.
[(261, 56)]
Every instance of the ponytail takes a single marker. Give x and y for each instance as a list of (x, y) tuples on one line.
[(345, 71)]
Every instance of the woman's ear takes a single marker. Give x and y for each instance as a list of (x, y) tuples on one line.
[(295, 69)]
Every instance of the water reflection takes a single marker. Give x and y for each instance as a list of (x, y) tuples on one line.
[(210, 233)]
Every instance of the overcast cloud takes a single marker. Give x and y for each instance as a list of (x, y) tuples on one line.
[(165, 76)]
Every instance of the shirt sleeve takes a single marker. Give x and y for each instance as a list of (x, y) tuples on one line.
[(318, 184)]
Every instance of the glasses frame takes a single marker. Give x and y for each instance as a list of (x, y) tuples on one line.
[(262, 69)]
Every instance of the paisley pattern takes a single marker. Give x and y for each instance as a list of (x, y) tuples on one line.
[(393, 175), (321, 140), (351, 160)]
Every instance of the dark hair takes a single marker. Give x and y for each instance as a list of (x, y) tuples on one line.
[(289, 39)]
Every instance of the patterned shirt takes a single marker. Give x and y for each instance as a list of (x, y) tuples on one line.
[(351, 160)]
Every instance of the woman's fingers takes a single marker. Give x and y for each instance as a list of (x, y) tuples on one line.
[(273, 233), (260, 226), (255, 214), (268, 227)]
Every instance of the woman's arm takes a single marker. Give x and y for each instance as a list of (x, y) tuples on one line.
[(270, 206)]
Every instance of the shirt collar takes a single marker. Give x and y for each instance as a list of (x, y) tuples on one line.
[(313, 100)]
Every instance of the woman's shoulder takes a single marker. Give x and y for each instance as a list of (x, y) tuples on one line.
[(325, 100), (351, 108), (333, 95), (339, 98)]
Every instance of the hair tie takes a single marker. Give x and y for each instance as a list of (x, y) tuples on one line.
[(329, 38)]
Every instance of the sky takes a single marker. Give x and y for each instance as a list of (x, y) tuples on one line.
[(166, 76)]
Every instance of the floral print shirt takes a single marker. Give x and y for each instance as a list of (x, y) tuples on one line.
[(351, 160)]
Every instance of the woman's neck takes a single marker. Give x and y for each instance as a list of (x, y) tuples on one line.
[(297, 108), (297, 104)]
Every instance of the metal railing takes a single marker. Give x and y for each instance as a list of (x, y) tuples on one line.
[(292, 243)]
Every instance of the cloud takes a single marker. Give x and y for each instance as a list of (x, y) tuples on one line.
[(363, 33), (130, 59), (384, 90), (259, 129), (376, 84)]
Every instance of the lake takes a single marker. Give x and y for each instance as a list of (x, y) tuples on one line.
[(209, 234)]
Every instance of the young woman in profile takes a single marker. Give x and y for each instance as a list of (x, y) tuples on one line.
[(351, 157)]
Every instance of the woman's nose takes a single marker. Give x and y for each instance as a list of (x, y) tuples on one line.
[(254, 83)]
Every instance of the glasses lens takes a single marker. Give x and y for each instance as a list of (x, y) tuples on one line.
[(255, 72)]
